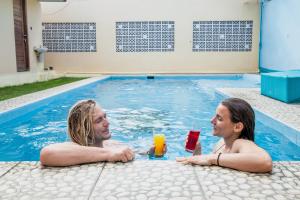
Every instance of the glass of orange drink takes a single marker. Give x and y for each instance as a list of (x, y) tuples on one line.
[(159, 141)]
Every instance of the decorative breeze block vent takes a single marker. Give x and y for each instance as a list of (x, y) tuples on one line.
[(69, 37), (145, 36), (222, 35)]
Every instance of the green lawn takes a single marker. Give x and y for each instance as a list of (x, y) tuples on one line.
[(14, 91)]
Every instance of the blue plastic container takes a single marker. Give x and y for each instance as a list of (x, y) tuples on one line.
[(283, 86)]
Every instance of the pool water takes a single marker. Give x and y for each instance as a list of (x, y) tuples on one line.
[(137, 107)]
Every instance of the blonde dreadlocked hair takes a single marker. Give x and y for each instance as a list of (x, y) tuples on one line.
[(80, 122)]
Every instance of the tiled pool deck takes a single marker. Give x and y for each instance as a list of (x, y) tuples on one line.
[(146, 180), (153, 179)]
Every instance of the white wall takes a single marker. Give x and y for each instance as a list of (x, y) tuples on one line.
[(7, 38), (106, 12), (8, 68), (280, 35), (34, 24)]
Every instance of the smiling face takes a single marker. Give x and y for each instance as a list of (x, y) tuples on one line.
[(100, 124), (222, 124)]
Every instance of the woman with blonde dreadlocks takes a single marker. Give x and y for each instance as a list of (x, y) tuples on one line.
[(88, 129)]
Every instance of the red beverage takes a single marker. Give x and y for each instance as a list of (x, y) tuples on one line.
[(192, 140)]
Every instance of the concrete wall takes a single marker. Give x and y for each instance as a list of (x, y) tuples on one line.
[(8, 68), (106, 12), (280, 35), (7, 39), (34, 24)]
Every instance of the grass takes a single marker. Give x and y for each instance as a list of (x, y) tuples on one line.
[(15, 91)]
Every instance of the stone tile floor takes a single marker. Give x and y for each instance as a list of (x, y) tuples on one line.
[(28, 180), (146, 180), (152, 179)]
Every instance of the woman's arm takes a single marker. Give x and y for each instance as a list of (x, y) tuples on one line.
[(249, 162), (244, 156), (66, 154)]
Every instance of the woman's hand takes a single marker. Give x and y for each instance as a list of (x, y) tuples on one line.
[(198, 148), (197, 160)]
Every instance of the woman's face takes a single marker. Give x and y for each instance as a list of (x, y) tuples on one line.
[(100, 124), (222, 124)]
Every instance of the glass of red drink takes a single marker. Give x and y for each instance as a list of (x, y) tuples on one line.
[(192, 140)]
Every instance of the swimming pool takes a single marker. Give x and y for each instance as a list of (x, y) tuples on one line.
[(136, 107)]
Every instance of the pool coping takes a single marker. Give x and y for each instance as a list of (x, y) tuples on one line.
[(146, 180)]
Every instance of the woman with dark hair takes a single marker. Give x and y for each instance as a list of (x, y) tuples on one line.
[(234, 122)]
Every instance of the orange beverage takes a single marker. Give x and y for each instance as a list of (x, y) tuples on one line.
[(159, 141)]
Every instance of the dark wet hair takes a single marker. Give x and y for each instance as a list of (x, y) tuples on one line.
[(241, 111)]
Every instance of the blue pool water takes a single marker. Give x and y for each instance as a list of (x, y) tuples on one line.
[(136, 108)]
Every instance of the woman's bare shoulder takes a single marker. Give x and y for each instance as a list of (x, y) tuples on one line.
[(243, 145), (243, 142)]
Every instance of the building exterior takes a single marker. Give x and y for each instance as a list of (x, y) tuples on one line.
[(140, 36), (21, 32)]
